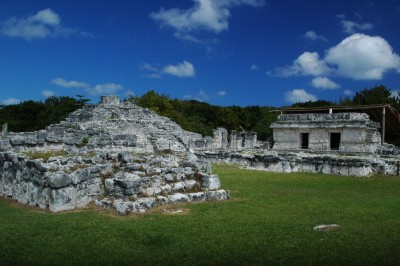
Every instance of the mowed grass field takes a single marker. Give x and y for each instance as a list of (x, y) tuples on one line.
[(269, 220)]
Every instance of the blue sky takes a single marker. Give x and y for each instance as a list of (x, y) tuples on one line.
[(225, 52)]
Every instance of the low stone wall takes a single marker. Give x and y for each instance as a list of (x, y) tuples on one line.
[(336, 164), (121, 181)]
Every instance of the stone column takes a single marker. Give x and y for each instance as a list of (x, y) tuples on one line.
[(4, 130), (220, 140)]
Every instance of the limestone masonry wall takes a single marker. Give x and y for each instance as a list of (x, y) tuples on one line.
[(123, 181), (350, 165)]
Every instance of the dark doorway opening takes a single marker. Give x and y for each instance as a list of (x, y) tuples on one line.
[(304, 140), (335, 141)]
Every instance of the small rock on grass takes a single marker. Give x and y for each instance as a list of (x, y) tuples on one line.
[(326, 227)]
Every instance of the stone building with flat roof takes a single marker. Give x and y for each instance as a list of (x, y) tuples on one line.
[(345, 132)]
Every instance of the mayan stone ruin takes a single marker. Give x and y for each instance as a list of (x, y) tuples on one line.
[(120, 156), (347, 132), (347, 144), (116, 155)]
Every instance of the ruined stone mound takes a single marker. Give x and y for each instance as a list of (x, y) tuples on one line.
[(116, 155), (109, 125)]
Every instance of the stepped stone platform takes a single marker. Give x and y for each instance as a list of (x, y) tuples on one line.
[(115, 154), (111, 125)]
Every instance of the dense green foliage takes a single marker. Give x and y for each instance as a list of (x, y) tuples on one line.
[(268, 221), (35, 115), (202, 117), (376, 95)]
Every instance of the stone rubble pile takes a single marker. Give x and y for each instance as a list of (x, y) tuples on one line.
[(122, 181)]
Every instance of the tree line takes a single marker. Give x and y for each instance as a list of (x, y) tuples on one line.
[(35, 115), (191, 115)]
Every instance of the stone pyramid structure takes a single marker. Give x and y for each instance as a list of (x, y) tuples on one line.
[(110, 125), (115, 155)]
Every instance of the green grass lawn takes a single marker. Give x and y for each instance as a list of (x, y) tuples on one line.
[(269, 220)]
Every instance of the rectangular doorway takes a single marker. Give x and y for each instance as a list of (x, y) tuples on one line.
[(304, 140), (335, 141)]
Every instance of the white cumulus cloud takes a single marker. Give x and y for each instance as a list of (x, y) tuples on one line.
[(45, 23), (99, 89), (363, 57), (184, 69), (70, 83), (208, 15), (107, 88), (350, 27), (299, 96), (306, 64), (313, 36), (221, 93), (10, 101), (359, 57), (324, 83), (48, 93), (150, 67)]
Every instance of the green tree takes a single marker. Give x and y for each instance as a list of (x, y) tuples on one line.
[(376, 95)]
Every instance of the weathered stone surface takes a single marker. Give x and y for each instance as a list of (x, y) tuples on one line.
[(178, 198), (62, 199), (199, 196), (125, 157), (179, 186), (59, 180), (354, 165), (191, 184), (5, 145), (211, 182), (127, 180), (217, 195), (18, 140), (104, 150)]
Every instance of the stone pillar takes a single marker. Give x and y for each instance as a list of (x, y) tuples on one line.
[(4, 130), (110, 100), (220, 140), (234, 140), (250, 140)]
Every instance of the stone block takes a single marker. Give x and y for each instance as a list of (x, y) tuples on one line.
[(59, 180), (211, 182), (127, 180), (178, 198), (63, 199), (199, 196)]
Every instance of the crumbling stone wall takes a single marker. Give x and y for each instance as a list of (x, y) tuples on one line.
[(123, 181), (241, 140), (287, 162), (108, 159), (357, 132)]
